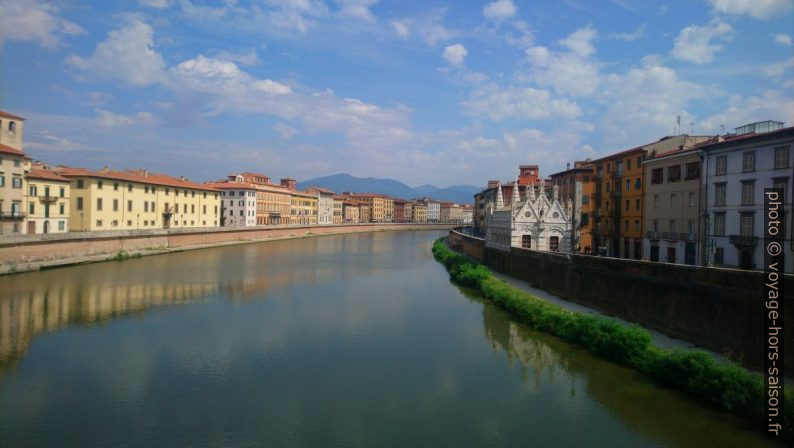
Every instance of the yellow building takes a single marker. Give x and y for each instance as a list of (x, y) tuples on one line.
[(338, 209), (388, 209), (48, 201), (419, 212), (351, 211), (273, 202), (379, 205), (364, 212), (303, 208), (14, 166), (138, 199)]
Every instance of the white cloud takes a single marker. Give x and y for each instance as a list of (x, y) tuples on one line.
[(571, 72), (693, 43), (34, 21), (455, 54), (158, 4), (580, 41), (643, 103), (759, 9), (358, 9), (518, 102), (127, 55), (245, 58), (499, 10), (401, 28), (109, 120), (637, 34), (778, 69), (770, 105), (295, 14), (784, 39), (285, 131)]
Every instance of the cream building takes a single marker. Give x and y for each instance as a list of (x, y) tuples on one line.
[(14, 165), (138, 199), (238, 203), (325, 204), (338, 209), (303, 208), (350, 210), (47, 201), (419, 211)]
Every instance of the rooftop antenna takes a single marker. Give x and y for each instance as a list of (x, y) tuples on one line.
[(678, 124), (722, 129)]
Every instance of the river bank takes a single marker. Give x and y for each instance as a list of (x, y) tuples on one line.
[(723, 385), (36, 252)]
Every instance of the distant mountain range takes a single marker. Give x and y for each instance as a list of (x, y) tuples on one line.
[(461, 194)]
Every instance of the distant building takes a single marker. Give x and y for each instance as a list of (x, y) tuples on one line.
[(570, 185), (238, 203), (14, 166), (527, 174), (402, 206), (325, 204), (351, 211), (338, 209), (737, 170), (304, 208), (450, 212), (532, 222), (48, 201), (419, 211), (273, 202), (466, 214)]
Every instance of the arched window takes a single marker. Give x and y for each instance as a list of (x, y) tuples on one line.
[(526, 241), (12, 127)]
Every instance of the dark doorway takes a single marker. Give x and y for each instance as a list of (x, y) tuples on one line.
[(654, 253), (637, 250), (689, 253), (671, 254), (746, 260)]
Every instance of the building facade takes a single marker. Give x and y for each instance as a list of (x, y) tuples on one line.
[(570, 185), (350, 210), (532, 222), (14, 166), (47, 202), (137, 199), (338, 209), (238, 203), (419, 212), (737, 170), (304, 208), (325, 204), (672, 207)]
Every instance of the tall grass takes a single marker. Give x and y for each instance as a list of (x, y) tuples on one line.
[(723, 385)]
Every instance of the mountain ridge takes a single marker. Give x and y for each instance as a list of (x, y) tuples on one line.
[(341, 182)]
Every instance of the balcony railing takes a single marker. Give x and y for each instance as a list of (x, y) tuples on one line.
[(12, 215), (743, 240), (687, 237), (670, 236), (48, 199), (651, 235)]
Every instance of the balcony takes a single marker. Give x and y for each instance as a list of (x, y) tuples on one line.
[(687, 237), (743, 240), (48, 199), (670, 236), (651, 235), (598, 213), (168, 211), (13, 216), (617, 175)]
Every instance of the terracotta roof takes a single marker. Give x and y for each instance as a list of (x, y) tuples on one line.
[(322, 190), (134, 176), (7, 115), (741, 138), (622, 153), (231, 185), (9, 150), (38, 173)]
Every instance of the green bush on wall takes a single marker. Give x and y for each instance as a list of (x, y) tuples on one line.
[(725, 385)]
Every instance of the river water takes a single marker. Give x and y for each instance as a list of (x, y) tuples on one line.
[(348, 340)]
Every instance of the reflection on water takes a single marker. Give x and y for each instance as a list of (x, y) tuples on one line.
[(354, 340)]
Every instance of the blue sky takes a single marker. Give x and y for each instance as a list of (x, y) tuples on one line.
[(420, 91)]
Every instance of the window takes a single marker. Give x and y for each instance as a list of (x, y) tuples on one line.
[(151, 206), (2, 179), (79, 203), (145, 206), (639, 161), (31, 208), (115, 186), (748, 192), (62, 192), (656, 225), (719, 194), (748, 161), (626, 225), (656, 201), (32, 190), (17, 163), (781, 157), (114, 223), (692, 171), (672, 225), (691, 198), (585, 199), (61, 225), (12, 127), (99, 204), (145, 188), (719, 255), (722, 165), (673, 200), (129, 223), (16, 182), (657, 176), (628, 204), (80, 183), (62, 209), (781, 183), (554, 243), (129, 188), (636, 225), (129, 205), (204, 209), (115, 205), (746, 224), (628, 164), (637, 184), (526, 241), (585, 220), (192, 208), (674, 173), (99, 184), (99, 223), (607, 187), (628, 184), (637, 205)]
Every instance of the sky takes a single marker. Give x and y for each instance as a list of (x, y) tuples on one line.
[(438, 92)]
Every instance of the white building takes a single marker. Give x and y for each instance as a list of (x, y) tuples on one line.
[(433, 211), (738, 168), (325, 205), (238, 203), (534, 222)]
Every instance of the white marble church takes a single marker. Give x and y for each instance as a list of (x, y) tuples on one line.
[(532, 222)]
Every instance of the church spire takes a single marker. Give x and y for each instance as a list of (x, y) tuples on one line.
[(500, 202), (516, 198), (531, 195)]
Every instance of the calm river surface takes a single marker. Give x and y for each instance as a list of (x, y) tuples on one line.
[(352, 340)]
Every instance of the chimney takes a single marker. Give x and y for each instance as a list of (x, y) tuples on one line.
[(568, 166), (182, 178), (288, 183)]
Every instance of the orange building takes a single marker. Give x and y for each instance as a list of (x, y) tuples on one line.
[(571, 187)]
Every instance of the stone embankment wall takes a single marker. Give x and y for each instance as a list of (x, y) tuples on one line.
[(33, 252), (720, 309)]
